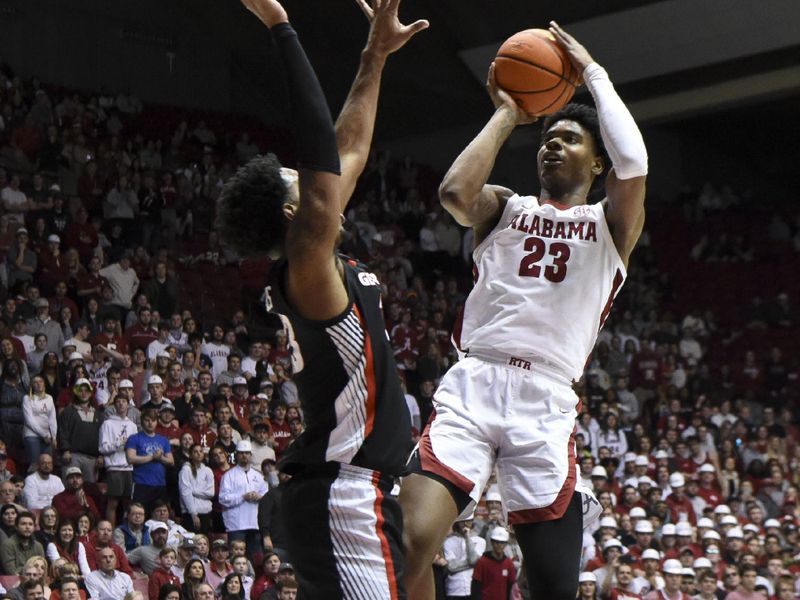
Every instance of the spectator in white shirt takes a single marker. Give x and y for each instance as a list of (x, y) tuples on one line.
[(239, 492), (42, 485), (114, 434), (39, 416), (462, 550), (196, 486), (123, 280), (106, 583)]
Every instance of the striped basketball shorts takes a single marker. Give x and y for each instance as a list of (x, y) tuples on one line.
[(505, 414), (344, 534)]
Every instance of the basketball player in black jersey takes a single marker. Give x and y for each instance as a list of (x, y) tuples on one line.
[(344, 527)]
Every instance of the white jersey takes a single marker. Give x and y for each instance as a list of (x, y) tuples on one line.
[(545, 281)]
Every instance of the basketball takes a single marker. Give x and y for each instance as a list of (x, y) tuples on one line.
[(536, 72)]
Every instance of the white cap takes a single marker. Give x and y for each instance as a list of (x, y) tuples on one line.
[(644, 526), (728, 520), (499, 534), (600, 471), (705, 522), (75, 356), (722, 509), (608, 522), (641, 461), (772, 523), (629, 457), (244, 446), (668, 529), (158, 525), (647, 480), (239, 381), (163, 354), (707, 468), (687, 572), (632, 481), (637, 512), (661, 454), (734, 532), (673, 567), (154, 380), (711, 535), (676, 480), (493, 496), (683, 528), (612, 543), (53, 238), (651, 554), (83, 381), (702, 563), (750, 527), (125, 384), (587, 576)]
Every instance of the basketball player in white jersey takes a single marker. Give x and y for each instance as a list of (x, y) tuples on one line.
[(547, 270)]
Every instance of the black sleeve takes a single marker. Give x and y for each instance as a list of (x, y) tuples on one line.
[(475, 591), (311, 117)]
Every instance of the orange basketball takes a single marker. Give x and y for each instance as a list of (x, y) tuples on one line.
[(535, 71)]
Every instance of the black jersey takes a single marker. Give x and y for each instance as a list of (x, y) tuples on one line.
[(346, 377)]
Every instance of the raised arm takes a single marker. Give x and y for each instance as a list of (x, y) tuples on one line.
[(625, 183), (356, 122), (463, 191)]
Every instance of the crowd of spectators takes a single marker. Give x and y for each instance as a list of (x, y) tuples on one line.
[(139, 433)]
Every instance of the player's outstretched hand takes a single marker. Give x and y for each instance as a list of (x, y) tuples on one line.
[(270, 12), (387, 34), (501, 98), (579, 55)]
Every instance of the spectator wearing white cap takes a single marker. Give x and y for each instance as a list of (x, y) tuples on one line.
[(494, 574), (611, 551), (692, 493), (114, 434), (42, 323), (673, 571), (462, 549), (650, 579), (79, 432), (641, 466), (587, 586), (155, 393), (709, 485), (680, 507), (734, 545), (150, 454), (599, 478), (240, 490), (643, 531)]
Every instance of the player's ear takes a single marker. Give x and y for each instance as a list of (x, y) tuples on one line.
[(598, 166), (289, 210)]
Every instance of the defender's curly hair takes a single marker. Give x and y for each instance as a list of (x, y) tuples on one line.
[(586, 116), (249, 207)]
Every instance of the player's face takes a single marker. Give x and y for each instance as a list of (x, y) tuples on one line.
[(567, 155)]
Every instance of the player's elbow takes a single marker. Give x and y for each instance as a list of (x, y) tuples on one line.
[(455, 200)]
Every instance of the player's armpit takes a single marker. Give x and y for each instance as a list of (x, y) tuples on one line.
[(315, 287), (475, 211), (625, 211)]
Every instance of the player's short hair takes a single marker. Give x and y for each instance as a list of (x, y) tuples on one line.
[(586, 116), (250, 207)]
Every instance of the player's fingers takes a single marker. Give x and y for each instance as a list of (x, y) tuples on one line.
[(392, 5), (416, 27), (365, 8)]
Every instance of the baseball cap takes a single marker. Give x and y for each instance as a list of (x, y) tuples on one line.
[(21, 231), (750, 527), (735, 532), (612, 543), (676, 480), (83, 381), (73, 471), (771, 523), (722, 509), (632, 481), (673, 567), (651, 554), (244, 446), (499, 534), (55, 188), (705, 522), (683, 528), (587, 576), (707, 468), (641, 461), (711, 535), (493, 497), (154, 380), (266, 383), (219, 544), (629, 457), (188, 543), (163, 354), (637, 512), (687, 572), (643, 526), (668, 529), (239, 381), (600, 471), (285, 566), (728, 520), (608, 522), (53, 238), (75, 356), (42, 303), (661, 454), (702, 563), (158, 525), (166, 405), (644, 479), (125, 384)]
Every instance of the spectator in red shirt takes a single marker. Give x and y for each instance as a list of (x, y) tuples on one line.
[(74, 501), (163, 574), (199, 430), (103, 537), (281, 432), (140, 334), (680, 507), (494, 574)]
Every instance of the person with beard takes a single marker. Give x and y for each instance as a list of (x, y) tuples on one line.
[(79, 432)]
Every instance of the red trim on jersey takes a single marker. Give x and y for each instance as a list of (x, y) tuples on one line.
[(387, 553), (430, 463), (559, 506), (618, 279), (369, 375)]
